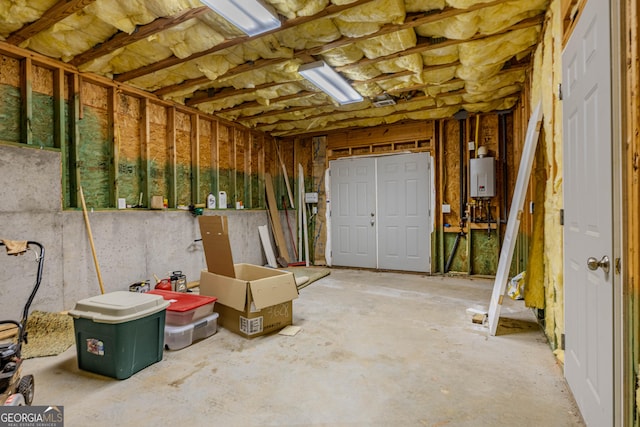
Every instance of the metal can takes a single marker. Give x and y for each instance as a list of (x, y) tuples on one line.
[(178, 281)]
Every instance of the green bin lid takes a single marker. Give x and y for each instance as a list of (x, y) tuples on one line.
[(118, 307)]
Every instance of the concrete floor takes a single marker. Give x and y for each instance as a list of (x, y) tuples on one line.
[(376, 349)]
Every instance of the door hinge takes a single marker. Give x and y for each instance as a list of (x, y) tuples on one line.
[(560, 91), (561, 216), (561, 341), (618, 264)]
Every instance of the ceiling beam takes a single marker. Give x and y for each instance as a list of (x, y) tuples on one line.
[(253, 104), (303, 94), (332, 125), (284, 110), (401, 102), (122, 39), (519, 66), (423, 47), (211, 95), (412, 21), (335, 124), (386, 76), (252, 66), (291, 23), (54, 14), (246, 67)]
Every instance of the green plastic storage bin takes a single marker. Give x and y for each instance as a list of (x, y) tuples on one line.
[(119, 333)]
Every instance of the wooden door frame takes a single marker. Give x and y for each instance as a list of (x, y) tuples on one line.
[(627, 123), (623, 19), (620, 344)]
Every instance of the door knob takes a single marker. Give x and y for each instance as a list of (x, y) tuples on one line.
[(593, 263)]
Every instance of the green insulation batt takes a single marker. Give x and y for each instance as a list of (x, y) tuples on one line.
[(484, 250), (10, 110)]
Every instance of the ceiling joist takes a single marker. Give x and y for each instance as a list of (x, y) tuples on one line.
[(429, 45), (55, 14), (291, 23), (123, 39), (383, 47)]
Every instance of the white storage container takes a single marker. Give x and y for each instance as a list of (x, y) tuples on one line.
[(185, 308), (177, 337)]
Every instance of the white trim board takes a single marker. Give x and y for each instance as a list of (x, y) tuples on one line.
[(515, 214)]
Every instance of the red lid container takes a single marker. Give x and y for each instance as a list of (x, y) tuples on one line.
[(185, 307)]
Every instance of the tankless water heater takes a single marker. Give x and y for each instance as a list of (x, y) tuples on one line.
[(482, 173)]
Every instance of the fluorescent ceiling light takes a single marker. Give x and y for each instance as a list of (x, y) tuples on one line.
[(252, 16), (329, 81)]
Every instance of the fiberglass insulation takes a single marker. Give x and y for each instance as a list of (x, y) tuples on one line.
[(466, 74)]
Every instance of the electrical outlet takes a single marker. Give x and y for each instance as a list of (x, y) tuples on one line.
[(311, 197)]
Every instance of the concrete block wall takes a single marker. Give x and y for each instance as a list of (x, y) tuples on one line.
[(131, 245)]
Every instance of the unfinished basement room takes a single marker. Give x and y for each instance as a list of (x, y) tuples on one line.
[(319, 213)]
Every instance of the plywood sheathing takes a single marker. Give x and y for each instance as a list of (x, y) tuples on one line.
[(129, 143), (225, 161), (95, 151), (207, 170), (319, 220), (452, 170), (183, 158), (10, 93), (547, 75), (240, 165), (158, 153)]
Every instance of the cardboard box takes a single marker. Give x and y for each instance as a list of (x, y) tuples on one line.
[(252, 300), (257, 302), (157, 202)]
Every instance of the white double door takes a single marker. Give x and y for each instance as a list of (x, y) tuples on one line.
[(380, 212)]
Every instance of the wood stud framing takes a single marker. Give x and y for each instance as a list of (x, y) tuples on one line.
[(66, 88), (26, 93)]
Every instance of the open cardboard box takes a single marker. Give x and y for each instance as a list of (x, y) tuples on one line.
[(252, 300)]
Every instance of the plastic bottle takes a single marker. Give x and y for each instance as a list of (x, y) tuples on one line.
[(222, 199), (211, 201)]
